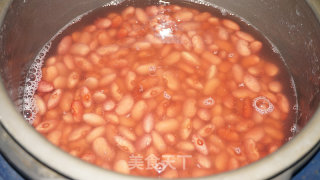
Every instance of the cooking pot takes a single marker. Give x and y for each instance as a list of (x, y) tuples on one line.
[(26, 25)]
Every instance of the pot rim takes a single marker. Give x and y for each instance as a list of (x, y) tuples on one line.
[(35, 144)]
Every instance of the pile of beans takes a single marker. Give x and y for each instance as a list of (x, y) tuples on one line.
[(183, 87)]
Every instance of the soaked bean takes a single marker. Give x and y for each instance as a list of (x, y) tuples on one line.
[(64, 45), (95, 133), (46, 126), (103, 149), (125, 105), (54, 99), (166, 126), (79, 132), (80, 49), (166, 82), (124, 145), (158, 142), (231, 24), (93, 119), (41, 106)]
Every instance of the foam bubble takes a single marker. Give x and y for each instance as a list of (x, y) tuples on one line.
[(166, 95), (262, 105), (152, 69), (237, 150), (141, 88), (209, 101), (113, 3), (162, 2), (160, 167), (33, 77)]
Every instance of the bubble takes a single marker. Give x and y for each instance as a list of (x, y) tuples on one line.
[(237, 150), (162, 2), (166, 95), (28, 83), (27, 113), (141, 88), (224, 12), (293, 129), (160, 167), (34, 75), (113, 3), (262, 105), (209, 101), (152, 69), (33, 70)]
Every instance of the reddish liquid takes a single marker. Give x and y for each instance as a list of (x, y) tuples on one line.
[(164, 91)]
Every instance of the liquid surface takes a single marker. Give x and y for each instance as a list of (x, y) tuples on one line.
[(163, 91)]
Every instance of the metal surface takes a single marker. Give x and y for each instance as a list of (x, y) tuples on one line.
[(27, 165), (315, 5), (289, 24)]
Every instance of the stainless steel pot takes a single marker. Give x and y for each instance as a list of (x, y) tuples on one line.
[(26, 25)]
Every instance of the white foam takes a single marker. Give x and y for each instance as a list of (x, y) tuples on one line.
[(113, 3), (34, 75), (162, 2)]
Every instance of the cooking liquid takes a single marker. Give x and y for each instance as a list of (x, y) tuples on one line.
[(164, 91)]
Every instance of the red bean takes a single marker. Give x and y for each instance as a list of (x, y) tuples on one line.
[(243, 48), (166, 126), (148, 123), (141, 16), (158, 142), (121, 166), (46, 126), (64, 45), (144, 142), (168, 82), (44, 86), (95, 133), (124, 145), (125, 105), (231, 24), (103, 23), (54, 99), (200, 144), (86, 97), (80, 49), (183, 16), (93, 119), (41, 106), (103, 149), (79, 132), (186, 128), (77, 111), (54, 137)]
